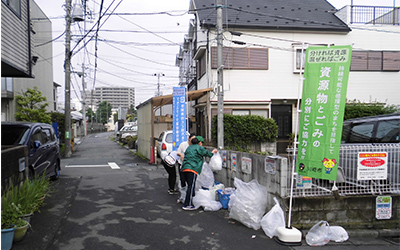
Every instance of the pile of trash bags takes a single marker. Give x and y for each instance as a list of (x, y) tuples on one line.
[(247, 204)]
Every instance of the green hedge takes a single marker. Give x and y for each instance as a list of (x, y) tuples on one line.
[(242, 130), (355, 109)]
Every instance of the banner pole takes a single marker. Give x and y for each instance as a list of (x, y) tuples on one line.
[(301, 79)]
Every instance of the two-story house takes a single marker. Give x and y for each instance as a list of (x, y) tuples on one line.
[(26, 55), (262, 49)]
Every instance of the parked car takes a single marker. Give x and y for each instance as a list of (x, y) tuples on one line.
[(129, 133), (122, 130), (164, 143), (41, 140), (372, 129), (371, 134)]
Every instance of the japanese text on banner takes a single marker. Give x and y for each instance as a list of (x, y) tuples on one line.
[(179, 117), (323, 101)]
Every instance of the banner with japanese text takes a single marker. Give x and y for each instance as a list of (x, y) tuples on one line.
[(326, 74), (179, 117)]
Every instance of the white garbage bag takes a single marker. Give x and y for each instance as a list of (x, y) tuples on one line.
[(273, 219), (216, 162)]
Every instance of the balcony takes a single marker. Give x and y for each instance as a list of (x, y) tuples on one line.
[(374, 15)]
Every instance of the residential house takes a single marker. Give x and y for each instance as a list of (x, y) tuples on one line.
[(26, 55), (262, 47)]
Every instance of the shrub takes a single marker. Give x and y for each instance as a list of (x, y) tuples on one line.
[(241, 131), (355, 109)]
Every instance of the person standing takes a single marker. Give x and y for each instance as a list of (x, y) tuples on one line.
[(181, 153), (191, 168), (169, 163)]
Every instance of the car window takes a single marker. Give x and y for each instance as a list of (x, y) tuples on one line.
[(388, 131), (161, 136), (46, 135), (168, 138), (345, 132), (36, 136), (11, 135), (361, 133)]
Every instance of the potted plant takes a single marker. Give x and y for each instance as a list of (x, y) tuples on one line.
[(10, 218)]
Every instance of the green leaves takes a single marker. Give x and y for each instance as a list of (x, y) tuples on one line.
[(241, 131), (32, 106), (355, 109)]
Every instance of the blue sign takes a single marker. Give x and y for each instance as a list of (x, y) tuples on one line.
[(179, 117)]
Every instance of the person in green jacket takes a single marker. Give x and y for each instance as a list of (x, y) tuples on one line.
[(191, 167)]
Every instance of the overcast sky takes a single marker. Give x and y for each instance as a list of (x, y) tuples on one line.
[(131, 48)]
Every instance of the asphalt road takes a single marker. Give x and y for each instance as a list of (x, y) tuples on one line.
[(109, 198)]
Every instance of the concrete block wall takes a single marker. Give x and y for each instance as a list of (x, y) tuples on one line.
[(350, 212), (10, 165)]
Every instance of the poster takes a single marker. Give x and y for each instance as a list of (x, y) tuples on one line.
[(179, 117), (233, 161), (246, 165), (372, 166), (270, 165), (383, 207), (326, 75)]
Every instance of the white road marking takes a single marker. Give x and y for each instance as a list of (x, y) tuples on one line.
[(86, 166), (113, 165)]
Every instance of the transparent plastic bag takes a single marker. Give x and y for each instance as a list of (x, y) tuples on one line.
[(206, 178), (273, 219), (216, 162), (203, 199), (338, 234), (318, 234), (249, 203)]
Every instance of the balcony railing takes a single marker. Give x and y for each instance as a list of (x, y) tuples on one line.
[(375, 15)]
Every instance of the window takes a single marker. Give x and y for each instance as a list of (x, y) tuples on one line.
[(14, 5), (240, 112), (388, 131), (361, 133), (375, 61), (241, 58), (7, 84), (298, 60)]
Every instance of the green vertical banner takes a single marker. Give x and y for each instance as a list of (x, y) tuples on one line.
[(326, 74)]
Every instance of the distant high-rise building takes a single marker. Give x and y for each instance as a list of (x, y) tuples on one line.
[(117, 97)]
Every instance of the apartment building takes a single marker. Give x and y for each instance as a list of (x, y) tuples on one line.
[(117, 97)]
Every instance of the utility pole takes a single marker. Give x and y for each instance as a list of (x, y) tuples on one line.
[(67, 68), (84, 100), (220, 123), (158, 83)]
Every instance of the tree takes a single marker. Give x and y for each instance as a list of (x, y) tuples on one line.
[(32, 106), (104, 112), (90, 114)]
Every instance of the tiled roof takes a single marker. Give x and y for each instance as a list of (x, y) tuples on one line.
[(317, 15)]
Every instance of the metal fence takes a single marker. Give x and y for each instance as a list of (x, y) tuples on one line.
[(347, 183), (375, 15)]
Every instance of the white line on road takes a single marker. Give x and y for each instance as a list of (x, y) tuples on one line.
[(86, 166), (113, 165)]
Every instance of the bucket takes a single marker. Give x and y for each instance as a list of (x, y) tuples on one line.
[(20, 232), (7, 236)]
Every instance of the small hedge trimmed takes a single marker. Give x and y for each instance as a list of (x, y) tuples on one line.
[(240, 131)]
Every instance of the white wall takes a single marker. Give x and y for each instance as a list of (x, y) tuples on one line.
[(280, 82)]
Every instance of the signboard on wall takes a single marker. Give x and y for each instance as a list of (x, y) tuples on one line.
[(326, 75), (246, 165), (383, 207), (372, 166)]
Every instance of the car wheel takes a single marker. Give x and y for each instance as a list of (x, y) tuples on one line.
[(57, 172)]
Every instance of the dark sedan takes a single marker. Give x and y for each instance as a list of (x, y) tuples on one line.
[(42, 143)]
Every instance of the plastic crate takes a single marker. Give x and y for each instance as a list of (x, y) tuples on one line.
[(223, 198)]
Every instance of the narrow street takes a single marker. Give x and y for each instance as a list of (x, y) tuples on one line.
[(109, 198)]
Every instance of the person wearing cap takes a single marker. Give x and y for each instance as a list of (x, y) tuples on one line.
[(191, 167), (181, 152)]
